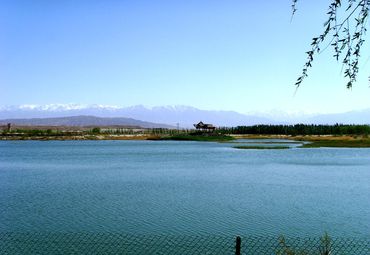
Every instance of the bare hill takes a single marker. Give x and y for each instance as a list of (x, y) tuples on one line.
[(83, 121)]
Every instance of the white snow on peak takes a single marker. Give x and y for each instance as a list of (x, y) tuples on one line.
[(74, 106), (174, 108), (52, 107), (59, 107)]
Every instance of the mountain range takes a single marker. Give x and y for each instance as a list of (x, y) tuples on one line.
[(83, 121), (183, 116)]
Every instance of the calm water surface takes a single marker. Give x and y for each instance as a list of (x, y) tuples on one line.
[(187, 188)]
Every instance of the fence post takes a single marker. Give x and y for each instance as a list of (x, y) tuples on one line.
[(238, 243)]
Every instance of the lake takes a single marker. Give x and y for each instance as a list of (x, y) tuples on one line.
[(182, 188)]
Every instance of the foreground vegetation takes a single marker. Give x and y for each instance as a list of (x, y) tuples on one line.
[(324, 247)]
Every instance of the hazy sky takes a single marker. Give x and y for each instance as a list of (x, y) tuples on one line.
[(230, 55)]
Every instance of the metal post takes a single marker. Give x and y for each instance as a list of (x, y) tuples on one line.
[(238, 244)]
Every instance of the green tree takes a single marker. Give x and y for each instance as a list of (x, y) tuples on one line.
[(95, 130), (344, 30)]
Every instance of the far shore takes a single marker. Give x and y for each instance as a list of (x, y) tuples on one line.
[(79, 137), (314, 141)]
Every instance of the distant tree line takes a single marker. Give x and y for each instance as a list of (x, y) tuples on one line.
[(152, 131), (299, 129), (94, 131), (39, 132)]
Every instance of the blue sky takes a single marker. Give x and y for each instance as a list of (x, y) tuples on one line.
[(222, 55)]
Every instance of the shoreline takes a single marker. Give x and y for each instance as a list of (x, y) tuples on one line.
[(314, 141), (100, 137)]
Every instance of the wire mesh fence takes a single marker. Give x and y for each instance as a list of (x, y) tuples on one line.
[(112, 243), (304, 246)]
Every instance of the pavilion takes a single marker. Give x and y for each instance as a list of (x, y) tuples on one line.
[(204, 127)]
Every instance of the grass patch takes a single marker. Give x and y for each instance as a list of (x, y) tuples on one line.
[(197, 137), (361, 143), (246, 147), (317, 141), (272, 143)]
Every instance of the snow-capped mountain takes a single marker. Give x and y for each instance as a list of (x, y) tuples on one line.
[(185, 116)]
